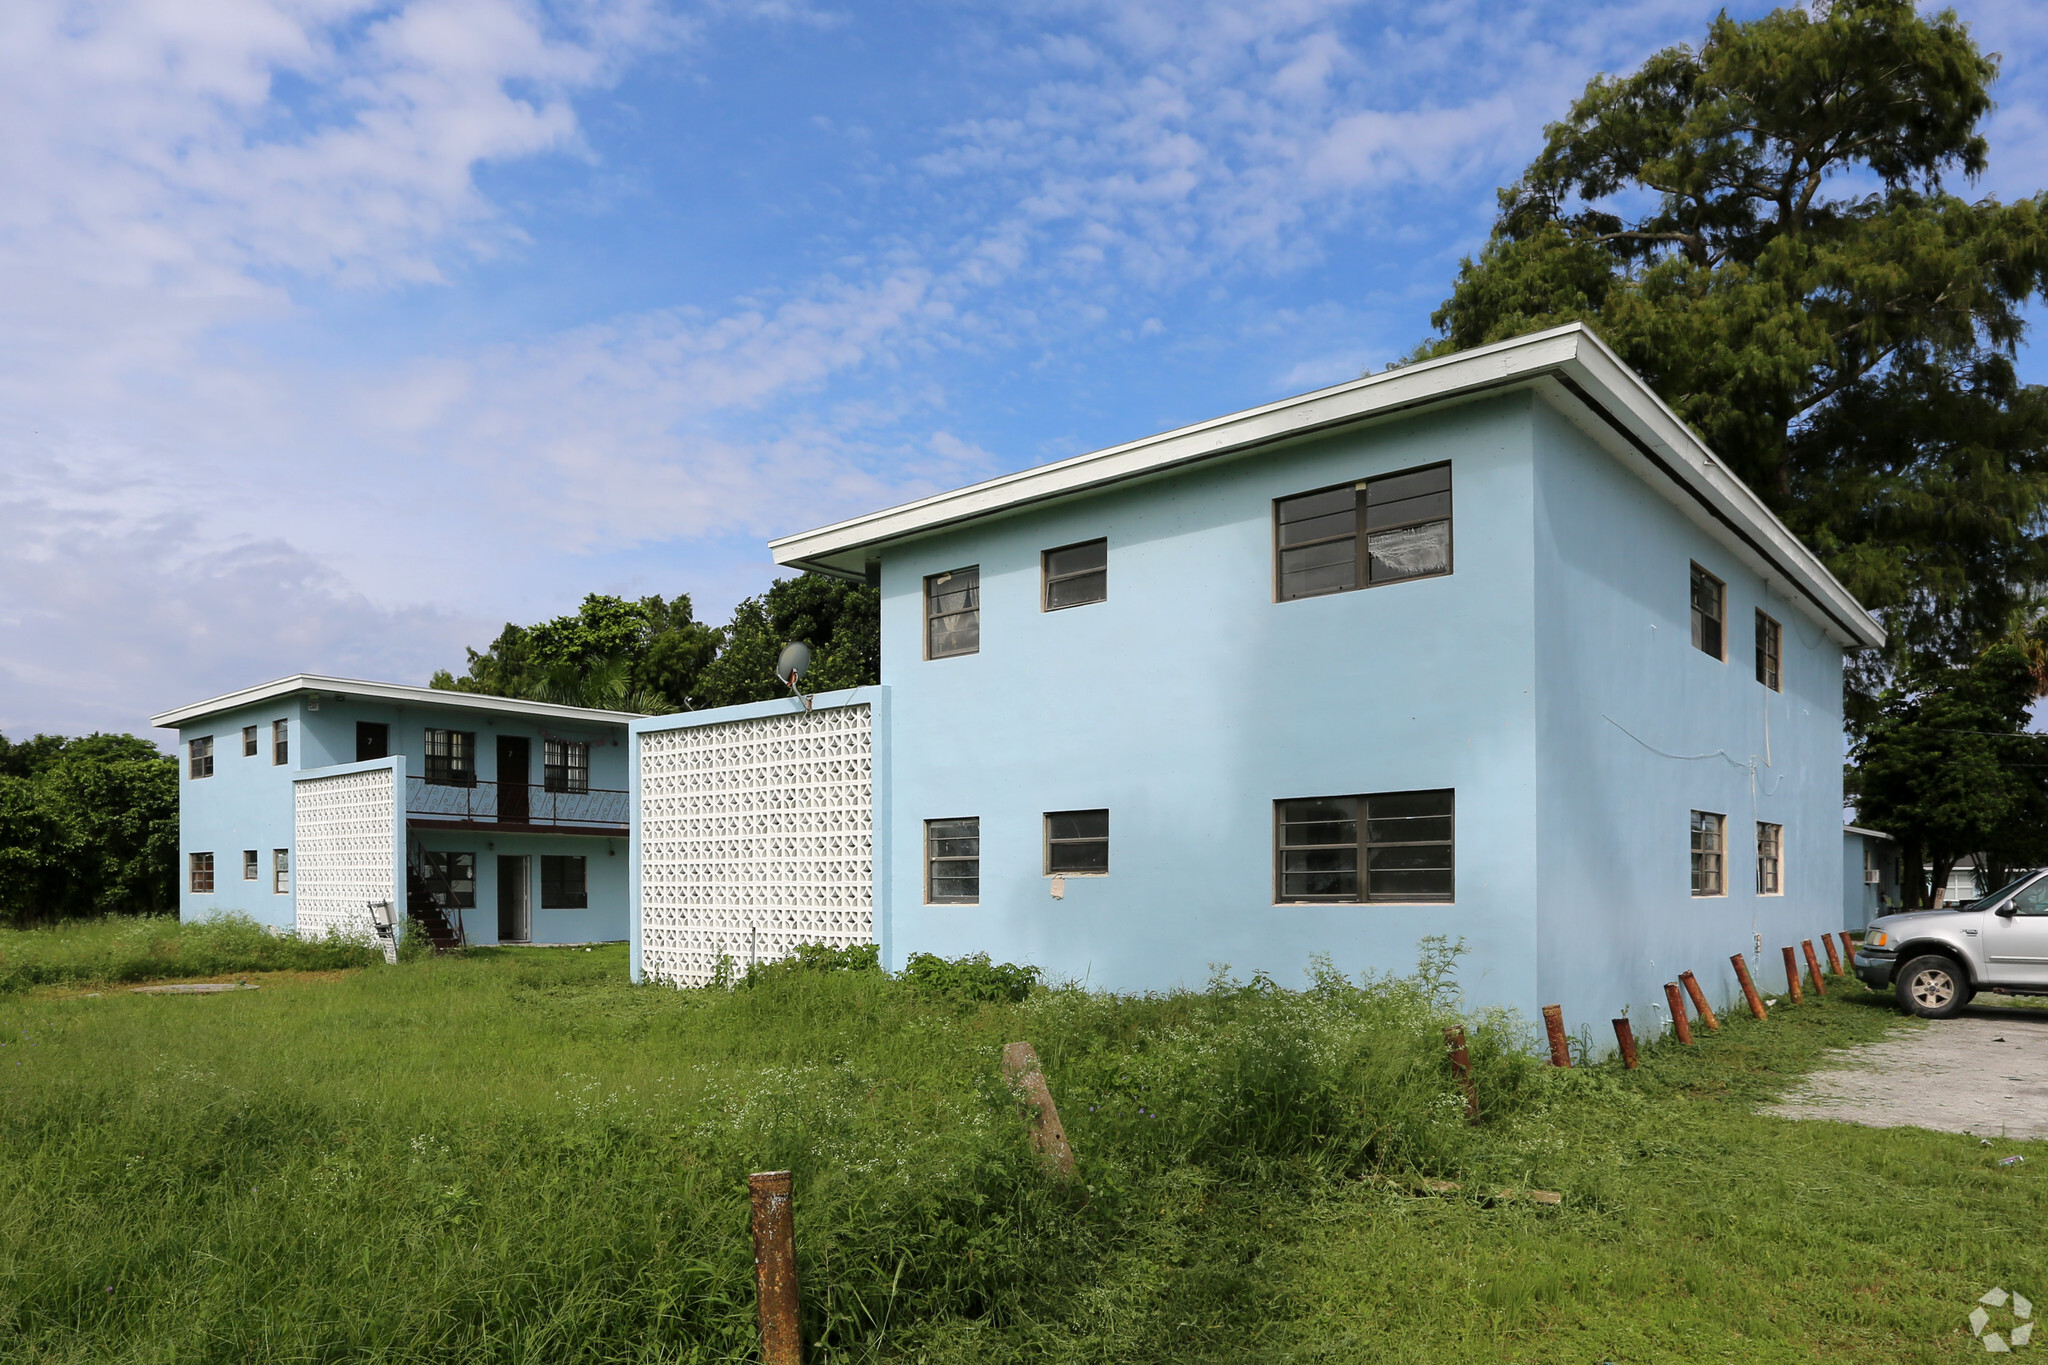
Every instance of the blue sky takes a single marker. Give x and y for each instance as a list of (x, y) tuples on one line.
[(339, 332)]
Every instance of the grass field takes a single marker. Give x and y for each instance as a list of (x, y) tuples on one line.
[(515, 1156)]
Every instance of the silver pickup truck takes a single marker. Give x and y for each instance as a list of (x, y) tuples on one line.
[(1937, 959)]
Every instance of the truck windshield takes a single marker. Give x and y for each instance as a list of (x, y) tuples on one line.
[(1996, 896)]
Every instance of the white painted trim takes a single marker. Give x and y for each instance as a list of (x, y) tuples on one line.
[(1568, 366), (418, 696)]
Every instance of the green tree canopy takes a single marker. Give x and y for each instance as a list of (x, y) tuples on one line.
[(1764, 228), (87, 826)]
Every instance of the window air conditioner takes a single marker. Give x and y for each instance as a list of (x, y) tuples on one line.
[(1871, 876)]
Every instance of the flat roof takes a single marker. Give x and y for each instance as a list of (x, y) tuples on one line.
[(1569, 366), (1867, 833), (345, 688)]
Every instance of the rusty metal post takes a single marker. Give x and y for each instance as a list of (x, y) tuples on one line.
[(1827, 941), (1626, 1036), (1679, 1023), (1048, 1136), (1848, 949), (1820, 987), (1553, 1024), (782, 1341), (1699, 1001), (1461, 1067), (1756, 1004), (1792, 976)]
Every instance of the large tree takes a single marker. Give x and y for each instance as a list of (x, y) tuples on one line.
[(1766, 228), (87, 826)]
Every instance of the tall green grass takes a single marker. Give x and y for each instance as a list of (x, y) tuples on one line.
[(151, 947)]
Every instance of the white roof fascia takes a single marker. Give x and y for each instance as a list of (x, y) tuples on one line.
[(1566, 363), (398, 692), (1868, 833)]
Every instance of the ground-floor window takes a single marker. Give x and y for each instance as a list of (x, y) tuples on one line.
[(451, 878), (1077, 843), (249, 864), (1709, 854), (562, 883), (1388, 846), (202, 871), (281, 870), (952, 850), (1770, 859)]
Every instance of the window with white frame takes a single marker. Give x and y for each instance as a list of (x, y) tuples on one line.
[(1709, 854), (565, 765), (1770, 859), (248, 741), (952, 613), (280, 742)]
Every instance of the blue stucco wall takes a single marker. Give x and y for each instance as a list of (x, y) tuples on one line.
[(248, 804), (1637, 728), (1190, 701)]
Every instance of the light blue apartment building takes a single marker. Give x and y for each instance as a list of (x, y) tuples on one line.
[(1489, 647), (307, 801)]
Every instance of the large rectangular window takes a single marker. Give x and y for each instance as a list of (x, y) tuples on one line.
[(1076, 575), (1077, 842), (451, 879), (952, 852), (563, 882), (201, 865), (1709, 614), (1770, 859), (280, 742), (1770, 639), (451, 758), (1383, 530), (565, 765), (281, 871), (1392, 846), (202, 756), (952, 613), (1709, 854), (248, 741), (250, 863)]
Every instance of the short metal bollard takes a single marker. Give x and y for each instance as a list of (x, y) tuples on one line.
[(1699, 1001), (1756, 1004), (1848, 949), (1461, 1067), (1820, 987), (1792, 975), (1626, 1037), (782, 1341), (1679, 1023), (1553, 1024), (1827, 941)]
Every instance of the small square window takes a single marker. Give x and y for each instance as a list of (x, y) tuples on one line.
[(952, 850), (1770, 639), (1076, 575), (201, 758), (1709, 614), (1077, 843), (562, 883), (451, 758), (281, 871), (248, 741), (952, 613), (1709, 854), (249, 864), (280, 742), (1770, 859), (565, 766), (202, 872)]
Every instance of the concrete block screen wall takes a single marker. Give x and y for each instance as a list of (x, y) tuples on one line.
[(754, 831), (349, 832)]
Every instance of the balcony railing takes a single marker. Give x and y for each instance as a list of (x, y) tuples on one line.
[(515, 803)]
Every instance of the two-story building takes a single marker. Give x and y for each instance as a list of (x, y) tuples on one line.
[(1489, 647), (306, 801)]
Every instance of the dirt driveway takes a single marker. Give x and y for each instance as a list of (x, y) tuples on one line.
[(1983, 1072)]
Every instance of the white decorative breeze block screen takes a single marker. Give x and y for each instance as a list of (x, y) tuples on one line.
[(343, 846), (755, 836)]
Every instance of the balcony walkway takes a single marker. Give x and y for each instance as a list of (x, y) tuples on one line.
[(515, 808)]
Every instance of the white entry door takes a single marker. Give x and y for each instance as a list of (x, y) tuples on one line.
[(515, 899)]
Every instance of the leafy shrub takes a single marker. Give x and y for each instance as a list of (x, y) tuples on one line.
[(973, 979), (817, 957)]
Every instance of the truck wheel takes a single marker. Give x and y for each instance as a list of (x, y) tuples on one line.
[(1933, 987)]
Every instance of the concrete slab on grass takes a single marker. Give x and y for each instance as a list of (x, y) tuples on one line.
[(195, 988), (1984, 1072)]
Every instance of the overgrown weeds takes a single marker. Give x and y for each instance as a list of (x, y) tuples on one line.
[(115, 950)]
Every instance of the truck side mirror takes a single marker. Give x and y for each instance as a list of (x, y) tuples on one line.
[(2006, 911)]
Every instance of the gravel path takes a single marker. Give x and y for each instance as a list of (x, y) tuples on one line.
[(1983, 1072)]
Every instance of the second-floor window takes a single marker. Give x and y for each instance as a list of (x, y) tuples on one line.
[(1076, 575), (202, 758), (451, 758), (248, 864), (1770, 638), (280, 742), (1358, 535), (248, 741), (952, 613), (565, 766), (1709, 614)]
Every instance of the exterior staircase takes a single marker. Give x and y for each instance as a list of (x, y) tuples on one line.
[(427, 899)]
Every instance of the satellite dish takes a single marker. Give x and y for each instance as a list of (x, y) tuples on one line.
[(793, 661)]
